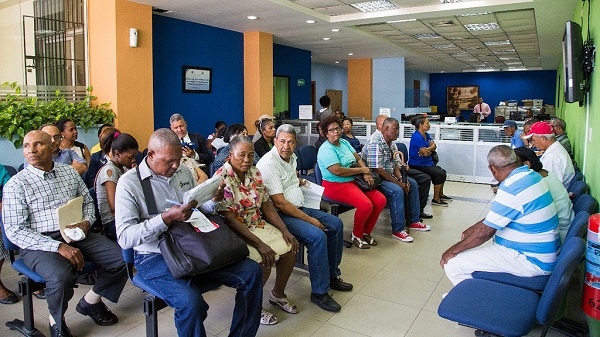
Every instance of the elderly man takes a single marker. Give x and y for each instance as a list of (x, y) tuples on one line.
[(559, 127), (510, 129), (555, 158), (522, 220), (320, 232), (138, 229), (379, 154), (423, 181), (29, 212), (193, 144)]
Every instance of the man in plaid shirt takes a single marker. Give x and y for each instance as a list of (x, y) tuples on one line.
[(29, 208), (378, 153)]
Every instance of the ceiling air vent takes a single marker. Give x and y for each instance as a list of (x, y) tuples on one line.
[(443, 23)]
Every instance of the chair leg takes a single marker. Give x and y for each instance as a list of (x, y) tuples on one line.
[(300, 258), (151, 313), (26, 326)]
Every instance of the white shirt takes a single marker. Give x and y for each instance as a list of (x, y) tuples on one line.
[(280, 177), (564, 206), (556, 160), (483, 109)]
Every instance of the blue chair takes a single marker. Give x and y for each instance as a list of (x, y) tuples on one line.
[(402, 148), (508, 310), (577, 189), (29, 283), (11, 170), (152, 302), (578, 228), (587, 203), (308, 159)]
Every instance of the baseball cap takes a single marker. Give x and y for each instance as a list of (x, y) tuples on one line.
[(539, 128), (508, 123)]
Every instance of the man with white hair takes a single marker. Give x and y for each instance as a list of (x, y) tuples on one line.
[(555, 158), (522, 220)]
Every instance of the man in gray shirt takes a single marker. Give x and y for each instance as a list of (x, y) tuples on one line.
[(138, 229)]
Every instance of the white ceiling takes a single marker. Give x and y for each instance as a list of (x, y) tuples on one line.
[(534, 29)]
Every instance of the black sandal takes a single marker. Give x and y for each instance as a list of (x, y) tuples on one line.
[(10, 299)]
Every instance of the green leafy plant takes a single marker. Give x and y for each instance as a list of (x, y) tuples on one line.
[(20, 114)]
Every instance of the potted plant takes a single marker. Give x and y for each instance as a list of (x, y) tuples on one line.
[(20, 114)]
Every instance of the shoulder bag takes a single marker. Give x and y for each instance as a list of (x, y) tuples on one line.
[(188, 252), (363, 184)]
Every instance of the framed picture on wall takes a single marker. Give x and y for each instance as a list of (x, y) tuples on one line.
[(196, 79), (463, 97)]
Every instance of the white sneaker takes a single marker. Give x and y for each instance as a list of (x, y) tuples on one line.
[(402, 236)]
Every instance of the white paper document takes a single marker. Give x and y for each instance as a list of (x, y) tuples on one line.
[(201, 222), (312, 195), (68, 214), (203, 192)]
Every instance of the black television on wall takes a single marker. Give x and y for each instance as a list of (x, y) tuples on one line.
[(572, 47)]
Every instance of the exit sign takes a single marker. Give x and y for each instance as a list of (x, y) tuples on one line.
[(301, 82)]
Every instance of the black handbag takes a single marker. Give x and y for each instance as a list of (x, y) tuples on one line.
[(188, 252), (435, 157), (363, 184)]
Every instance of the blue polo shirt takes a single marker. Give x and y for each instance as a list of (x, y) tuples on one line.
[(416, 142)]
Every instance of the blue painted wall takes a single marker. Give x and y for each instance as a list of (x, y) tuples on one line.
[(388, 86), (177, 43), (295, 63), (497, 86), (330, 77)]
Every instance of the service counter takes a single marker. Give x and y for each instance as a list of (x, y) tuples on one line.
[(462, 148)]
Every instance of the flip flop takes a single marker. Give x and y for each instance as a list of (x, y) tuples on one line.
[(10, 299)]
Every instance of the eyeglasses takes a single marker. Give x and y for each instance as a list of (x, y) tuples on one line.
[(56, 137), (338, 129)]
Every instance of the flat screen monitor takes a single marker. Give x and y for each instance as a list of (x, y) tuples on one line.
[(572, 46)]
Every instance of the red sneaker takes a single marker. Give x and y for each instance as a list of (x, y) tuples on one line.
[(402, 236), (419, 226)]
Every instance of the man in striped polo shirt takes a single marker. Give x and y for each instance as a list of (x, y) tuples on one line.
[(522, 220)]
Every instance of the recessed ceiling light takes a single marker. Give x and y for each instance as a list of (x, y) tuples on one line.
[(475, 14), (400, 21), (472, 27), (326, 38), (374, 6), (335, 30), (426, 36), (337, 61), (496, 43), (310, 21), (252, 17), (350, 54)]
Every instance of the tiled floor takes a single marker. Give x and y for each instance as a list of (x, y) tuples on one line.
[(397, 287)]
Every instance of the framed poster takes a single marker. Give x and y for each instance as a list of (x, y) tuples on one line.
[(462, 97), (196, 79)]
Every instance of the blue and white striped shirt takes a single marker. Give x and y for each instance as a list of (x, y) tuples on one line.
[(524, 214)]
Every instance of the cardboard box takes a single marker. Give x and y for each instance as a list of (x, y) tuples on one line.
[(527, 102)]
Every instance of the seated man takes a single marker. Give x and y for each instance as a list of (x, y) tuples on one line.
[(555, 158), (139, 230), (522, 218), (320, 232), (559, 126), (192, 144), (511, 130), (29, 211), (378, 153)]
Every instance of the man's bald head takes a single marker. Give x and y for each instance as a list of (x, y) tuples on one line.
[(37, 149), (164, 152), (162, 138), (379, 121)]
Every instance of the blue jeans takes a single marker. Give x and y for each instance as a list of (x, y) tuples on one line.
[(395, 201), (185, 295), (324, 248)]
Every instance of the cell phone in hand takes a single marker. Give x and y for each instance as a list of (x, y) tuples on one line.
[(190, 145)]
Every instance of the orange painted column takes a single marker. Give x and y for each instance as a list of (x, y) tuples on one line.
[(258, 77), (120, 74), (360, 88)]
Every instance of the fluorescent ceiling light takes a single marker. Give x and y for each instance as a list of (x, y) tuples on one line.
[(508, 58), (426, 36), (350, 54), (485, 70), (448, 1), (400, 21), (496, 43), (252, 17), (310, 21), (374, 6), (506, 51), (475, 14), (335, 30), (443, 46), (337, 61), (472, 27), (508, 63), (326, 38), (464, 53)]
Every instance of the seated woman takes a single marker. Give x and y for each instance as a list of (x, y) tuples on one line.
[(335, 158), (194, 167), (562, 202), (265, 143), (223, 153), (97, 159), (121, 149), (250, 213), (216, 137), (68, 131), (347, 134), (419, 153)]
